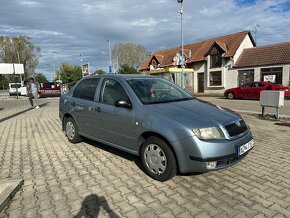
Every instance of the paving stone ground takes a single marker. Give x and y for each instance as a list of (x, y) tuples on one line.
[(90, 179)]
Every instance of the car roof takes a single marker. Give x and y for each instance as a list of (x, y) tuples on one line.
[(125, 76)]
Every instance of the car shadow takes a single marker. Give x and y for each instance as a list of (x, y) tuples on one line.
[(128, 156), (116, 151), (91, 206), (20, 112)]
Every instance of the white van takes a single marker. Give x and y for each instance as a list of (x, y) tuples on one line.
[(13, 89)]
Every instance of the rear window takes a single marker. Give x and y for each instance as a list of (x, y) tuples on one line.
[(50, 85)]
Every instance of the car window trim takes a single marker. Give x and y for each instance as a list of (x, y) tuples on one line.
[(100, 90), (95, 95)]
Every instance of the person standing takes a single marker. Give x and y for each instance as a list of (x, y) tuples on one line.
[(32, 92)]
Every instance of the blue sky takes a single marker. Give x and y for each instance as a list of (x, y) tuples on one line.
[(65, 29)]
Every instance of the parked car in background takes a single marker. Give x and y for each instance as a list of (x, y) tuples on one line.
[(157, 120), (253, 90), (17, 87), (49, 89)]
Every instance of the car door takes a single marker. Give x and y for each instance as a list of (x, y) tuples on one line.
[(116, 124), (245, 91), (257, 89), (82, 105)]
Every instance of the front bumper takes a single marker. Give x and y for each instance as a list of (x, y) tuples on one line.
[(193, 154)]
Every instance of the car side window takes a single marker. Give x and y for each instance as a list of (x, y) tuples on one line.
[(112, 91), (86, 89), (261, 85)]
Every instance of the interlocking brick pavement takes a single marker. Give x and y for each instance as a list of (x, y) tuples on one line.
[(89, 179)]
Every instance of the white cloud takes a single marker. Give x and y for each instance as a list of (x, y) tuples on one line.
[(75, 27)]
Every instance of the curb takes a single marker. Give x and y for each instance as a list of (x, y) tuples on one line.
[(8, 189), (256, 113)]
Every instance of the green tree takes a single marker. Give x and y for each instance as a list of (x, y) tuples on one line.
[(99, 72), (126, 69), (69, 74), (4, 82), (40, 77), (21, 50)]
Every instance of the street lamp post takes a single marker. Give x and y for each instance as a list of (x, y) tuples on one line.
[(57, 64), (181, 30), (110, 57)]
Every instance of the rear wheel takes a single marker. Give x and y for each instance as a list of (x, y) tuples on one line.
[(71, 131), (158, 159), (231, 95)]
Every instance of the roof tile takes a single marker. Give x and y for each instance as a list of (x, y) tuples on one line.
[(229, 43), (265, 55)]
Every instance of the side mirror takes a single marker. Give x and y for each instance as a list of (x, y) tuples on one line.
[(123, 104)]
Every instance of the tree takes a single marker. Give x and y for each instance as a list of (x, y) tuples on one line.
[(4, 82), (69, 74), (99, 72), (20, 49), (40, 77), (126, 69), (129, 53)]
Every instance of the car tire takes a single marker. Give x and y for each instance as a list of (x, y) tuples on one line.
[(158, 159), (71, 131), (231, 95)]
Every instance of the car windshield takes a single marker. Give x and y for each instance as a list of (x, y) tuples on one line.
[(157, 90)]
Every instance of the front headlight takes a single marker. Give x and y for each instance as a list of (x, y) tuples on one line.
[(209, 133)]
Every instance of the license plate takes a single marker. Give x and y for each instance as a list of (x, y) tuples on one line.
[(246, 147)]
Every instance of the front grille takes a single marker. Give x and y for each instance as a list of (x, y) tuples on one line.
[(237, 128)]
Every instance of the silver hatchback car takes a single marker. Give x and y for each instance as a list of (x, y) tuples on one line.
[(157, 120)]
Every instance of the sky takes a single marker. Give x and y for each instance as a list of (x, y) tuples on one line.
[(67, 30)]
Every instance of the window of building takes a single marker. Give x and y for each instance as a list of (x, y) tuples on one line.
[(273, 75), (246, 76), (215, 57), (215, 78)]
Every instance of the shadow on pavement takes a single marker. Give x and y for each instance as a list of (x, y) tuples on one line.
[(91, 207), (20, 112), (116, 151)]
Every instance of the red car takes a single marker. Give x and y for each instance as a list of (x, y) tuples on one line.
[(252, 90), (49, 89)]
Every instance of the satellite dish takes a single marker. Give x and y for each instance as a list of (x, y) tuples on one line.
[(180, 1)]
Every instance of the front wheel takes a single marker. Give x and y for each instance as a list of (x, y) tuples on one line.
[(231, 95), (71, 131), (158, 159)]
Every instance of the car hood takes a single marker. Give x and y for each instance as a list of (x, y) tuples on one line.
[(195, 113)]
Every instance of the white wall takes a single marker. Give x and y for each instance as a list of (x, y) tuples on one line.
[(247, 43), (9, 68), (285, 73)]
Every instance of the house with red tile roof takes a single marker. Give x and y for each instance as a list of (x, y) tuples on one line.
[(212, 62), (265, 63)]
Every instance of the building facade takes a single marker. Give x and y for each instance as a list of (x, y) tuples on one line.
[(265, 63), (212, 62)]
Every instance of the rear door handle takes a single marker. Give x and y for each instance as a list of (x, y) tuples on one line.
[(98, 109)]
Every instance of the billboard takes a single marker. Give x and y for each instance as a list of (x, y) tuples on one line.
[(85, 70), (11, 68)]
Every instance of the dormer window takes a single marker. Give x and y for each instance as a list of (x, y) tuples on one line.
[(216, 57)]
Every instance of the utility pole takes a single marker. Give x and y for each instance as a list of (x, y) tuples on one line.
[(181, 30)]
